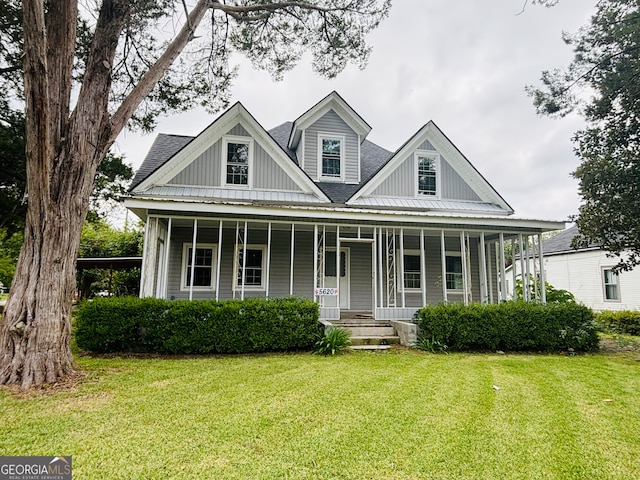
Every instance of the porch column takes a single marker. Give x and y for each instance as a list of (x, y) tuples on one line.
[(193, 256), (503, 280), (490, 271), (381, 269), (536, 292), (374, 272), (423, 269), (149, 254), (443, 258), (483, 270), (337, 266), (525, 252), (513, 269), (293, 237), (463, 255), (219, 261), (315, 261), (498, 284), (266, 290), (402, 267), (165, 280), (244, 260), (543, 285), (525, 283)]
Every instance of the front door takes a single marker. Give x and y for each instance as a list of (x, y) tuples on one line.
[(330, 278)]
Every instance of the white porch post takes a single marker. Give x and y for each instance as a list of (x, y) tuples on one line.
[(483, 270), (337, 266), (402, 266), (315, 261), (218, 262), (423, 269), (293, 236), (374, 272), (543, 285), (503, 279), (266, 291), (525, 283), (536, 292), (490, 271), (381, 269), (465, 279), (145, 251), (528, 268), (193, 256), (244, 261), (513, 269), (165, 280), (443, 258)]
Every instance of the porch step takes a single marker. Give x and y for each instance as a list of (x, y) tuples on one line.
[(356, 315), (369, 334), (379, 340), (370, 347), (370, 330)]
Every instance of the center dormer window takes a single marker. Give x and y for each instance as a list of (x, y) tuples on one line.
[(427, 166), (238, 152), (331, 162)]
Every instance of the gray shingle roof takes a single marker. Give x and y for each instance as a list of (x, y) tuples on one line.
[(561, 243), (163, 148)]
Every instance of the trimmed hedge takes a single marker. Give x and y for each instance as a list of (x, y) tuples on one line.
[(624, 321), (510, 326), (151, 325)]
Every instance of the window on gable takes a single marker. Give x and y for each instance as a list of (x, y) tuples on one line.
[(427, 172), (202, 268), (610, 282), (253, 268), (331, 157), (238, 160), (454, 272)]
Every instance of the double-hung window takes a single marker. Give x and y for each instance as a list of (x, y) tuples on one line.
[(427, 166), (203, 268), (253, 274), (412, 271), (454, 272), (237, 154), (331, 157), (611, 285)]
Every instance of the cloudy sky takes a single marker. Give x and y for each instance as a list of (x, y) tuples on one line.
[(462, 64)]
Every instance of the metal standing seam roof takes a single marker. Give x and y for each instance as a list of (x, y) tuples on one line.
[(428, 204), (176, 191)]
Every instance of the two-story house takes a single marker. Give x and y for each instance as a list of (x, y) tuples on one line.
[(313, 209)]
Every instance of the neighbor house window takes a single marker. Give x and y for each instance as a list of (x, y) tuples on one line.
[(427, 165), (412, 271), (454, 272), (610, 281), (253, 267), (331, 156), (237, 153), (203, 267)]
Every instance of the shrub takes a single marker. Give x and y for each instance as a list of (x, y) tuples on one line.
[(624, 321), (200, 327), (511, 326), (335, 340)]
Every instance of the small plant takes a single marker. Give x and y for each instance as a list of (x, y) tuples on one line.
[(432, 345), (335, 340)]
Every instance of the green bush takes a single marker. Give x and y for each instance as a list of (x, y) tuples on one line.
[(334, 340), (196, 327), (624, 321), (510, 326)]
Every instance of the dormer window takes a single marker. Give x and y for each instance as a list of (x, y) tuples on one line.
[(238, 153), (331, 153), (427, 170)]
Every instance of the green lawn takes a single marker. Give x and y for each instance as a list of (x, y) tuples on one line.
[(393, 415)]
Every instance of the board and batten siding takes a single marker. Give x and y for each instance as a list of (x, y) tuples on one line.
[(331, 123), (206, 170), (402, 181)]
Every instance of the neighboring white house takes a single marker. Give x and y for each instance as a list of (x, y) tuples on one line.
[(587, 273), (312, 208)]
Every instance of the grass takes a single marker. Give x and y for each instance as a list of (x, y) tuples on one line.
[(394, 415)]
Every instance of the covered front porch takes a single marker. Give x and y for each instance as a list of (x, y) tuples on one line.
[(386, 271)]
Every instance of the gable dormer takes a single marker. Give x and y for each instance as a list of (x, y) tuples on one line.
[(327, 140)]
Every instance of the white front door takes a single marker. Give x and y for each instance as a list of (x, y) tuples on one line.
[(330, 278)]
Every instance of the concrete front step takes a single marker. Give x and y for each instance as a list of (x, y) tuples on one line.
[(370, 347), (374, 340), (369, 331)]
